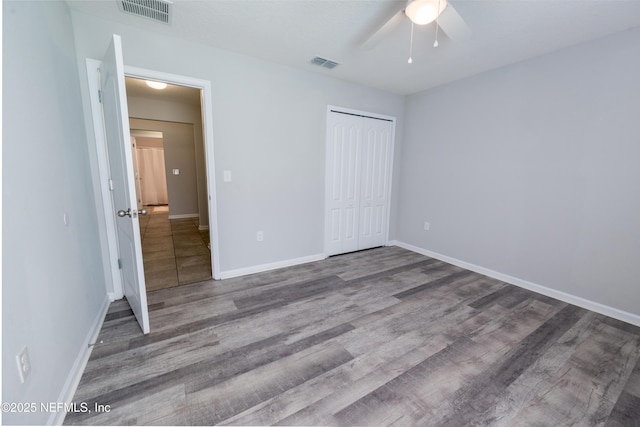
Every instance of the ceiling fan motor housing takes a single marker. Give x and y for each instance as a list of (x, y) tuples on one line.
[(422, 12)]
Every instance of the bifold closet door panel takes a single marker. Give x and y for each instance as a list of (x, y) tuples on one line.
[(375, 182), (344, 141)]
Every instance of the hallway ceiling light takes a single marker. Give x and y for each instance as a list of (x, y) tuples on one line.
[(156, 85)]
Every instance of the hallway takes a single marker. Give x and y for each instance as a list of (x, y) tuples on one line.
[(174, 251)]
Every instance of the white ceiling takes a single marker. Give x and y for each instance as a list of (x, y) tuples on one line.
[(291, 32)]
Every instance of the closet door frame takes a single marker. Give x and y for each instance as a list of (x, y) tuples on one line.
[(329, 248)]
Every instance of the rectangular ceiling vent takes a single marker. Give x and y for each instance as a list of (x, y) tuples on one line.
[(322, 62), (157, 10)]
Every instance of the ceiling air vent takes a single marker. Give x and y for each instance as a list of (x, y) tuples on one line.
[(322, 62), (157, 10)]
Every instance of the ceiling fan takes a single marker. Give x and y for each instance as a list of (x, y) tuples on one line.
[(423, 12)]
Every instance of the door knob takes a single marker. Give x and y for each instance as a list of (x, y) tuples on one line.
[(122, 213)]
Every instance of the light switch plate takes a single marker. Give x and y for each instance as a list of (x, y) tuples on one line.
[(227, 176), (176, 171)]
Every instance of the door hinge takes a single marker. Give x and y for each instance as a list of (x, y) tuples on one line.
[(110, 185), (119, 264), (100, 96)]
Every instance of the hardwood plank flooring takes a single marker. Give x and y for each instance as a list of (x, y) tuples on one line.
[(379, 337)]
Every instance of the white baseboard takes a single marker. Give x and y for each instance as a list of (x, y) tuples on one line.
[(270, 266), (112, 296), (75, 374), (625, 316), (203, 227), (182, 216)]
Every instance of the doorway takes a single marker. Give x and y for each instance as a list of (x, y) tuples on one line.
[(108, 99), (167, 136), (149, 163)]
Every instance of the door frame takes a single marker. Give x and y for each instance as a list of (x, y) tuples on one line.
[(108, 214), (327, 178)]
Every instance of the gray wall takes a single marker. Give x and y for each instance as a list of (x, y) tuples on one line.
[(172, 111), (53, 284), (269, 131), (179, 153), (533, 170)]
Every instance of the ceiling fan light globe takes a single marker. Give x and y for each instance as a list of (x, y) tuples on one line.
[(422, 12)]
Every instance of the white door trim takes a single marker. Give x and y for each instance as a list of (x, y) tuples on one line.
[(327, 182), (109, 216)]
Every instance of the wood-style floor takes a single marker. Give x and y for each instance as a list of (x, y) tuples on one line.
[(380, 337)]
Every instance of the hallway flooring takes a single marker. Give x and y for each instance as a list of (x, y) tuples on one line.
[(174, 251)]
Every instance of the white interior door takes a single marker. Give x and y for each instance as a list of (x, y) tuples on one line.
[(120, 157), (375, 182), (358, 184), (344, 139)]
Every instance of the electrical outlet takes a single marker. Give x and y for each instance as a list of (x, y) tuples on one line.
[(426, 226), (260, 236), (24, 364)]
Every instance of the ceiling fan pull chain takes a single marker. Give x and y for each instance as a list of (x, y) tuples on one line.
[(435, 43), (410, 61)]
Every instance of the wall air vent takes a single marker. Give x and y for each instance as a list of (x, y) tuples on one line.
[(156, 10), (322, 62)]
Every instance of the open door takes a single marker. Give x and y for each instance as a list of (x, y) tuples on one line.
[(120, 159)]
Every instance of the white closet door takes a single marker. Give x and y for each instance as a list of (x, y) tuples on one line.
[(375, 182), (359, 162), (344, 138)]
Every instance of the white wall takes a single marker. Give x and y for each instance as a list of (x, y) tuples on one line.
[(53, 283), (269, 131), (533, 171)]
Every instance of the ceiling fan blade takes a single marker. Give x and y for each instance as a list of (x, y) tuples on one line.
[(453, 25), (384, 30)]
